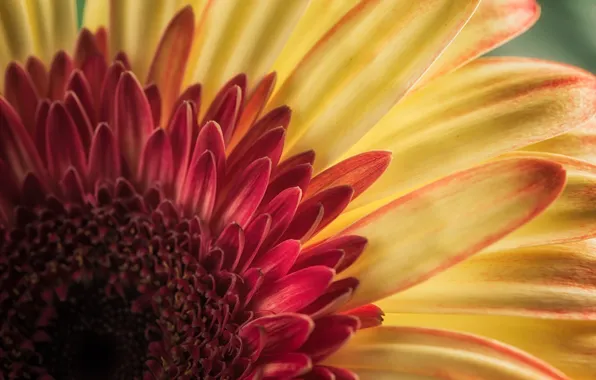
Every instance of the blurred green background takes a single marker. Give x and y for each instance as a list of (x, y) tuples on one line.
[(566, 32)]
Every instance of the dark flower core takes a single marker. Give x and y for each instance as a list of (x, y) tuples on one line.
[(112, 292)]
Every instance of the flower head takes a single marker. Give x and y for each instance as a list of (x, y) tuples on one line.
[(200, 223)]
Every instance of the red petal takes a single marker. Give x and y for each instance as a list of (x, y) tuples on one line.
[(80, 119), (351, 245), (305, 222), (191, 94), (254, 236), (63, 144), (224, 104), (101, 39), (210, 138), (330, 258), (231, 242), (21, 94), (298, 176), (60, 71), (79, 85), (334, 201), (169, 61), (369, 315), (336, 296), (282, 210), (338, 373), (294, 291), (180, 130), (154, 99), (85, 47), (285, 332), (286, 366), (253, 278), (279, 117), (359, 172), (95, 69), (16, 146), (245, 195), (329, 334), (122, 57), (72, 187), (198, 194), (108, 92), (104, 158), (253, 108), (269, 145), (39, 75), (41, 118), (307, 157), (253, 336), (9, 193), (276, 262), (133, 122), (156, 165)]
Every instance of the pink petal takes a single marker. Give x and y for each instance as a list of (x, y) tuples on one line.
[(154, 98), (63, 143), (79, 85), (305, 222), (298, 176), (79, 117), (351, 245), (253, 279), (245, 195), (211, 138), (200, 187), (191, 94), (95, 68), (253, 337), (225, 108), (180, 130), (231, 242), (269, 145), (254, 234), (330, 333), (133, 122), (282, 210), (169, 61), (39, 75), (21, 93), (104, 157), (334, 298), (284, 332), (286, 366), (276, 262), (108, 92), (59, 74), (330, 258), (358, 172), (156, 165), (294, 291)]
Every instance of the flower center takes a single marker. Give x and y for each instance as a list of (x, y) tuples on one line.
[(114, 289)]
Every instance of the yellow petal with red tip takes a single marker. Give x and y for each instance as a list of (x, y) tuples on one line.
[(556, 281), (567, 345), (240, 36), (320, 16), (578, 143), (367, 62), (494, 23), (486, 108), (422, 353), (437, 226), (572, 217)]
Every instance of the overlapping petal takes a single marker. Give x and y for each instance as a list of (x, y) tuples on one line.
[(578, 143), (567, 345), (351, 77), (415, 237), (423, 353), (556, 281), (489, 107)]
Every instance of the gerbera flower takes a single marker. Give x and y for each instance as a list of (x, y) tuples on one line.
[(208, 192)]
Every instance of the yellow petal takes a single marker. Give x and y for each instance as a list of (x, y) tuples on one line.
[(579, 143), (567, 345), (557, 281), (438, 354), (362, 67), (14, 26), (319, 17), (486, 108), (240, 36), (64, 24), (494, 23), (41, 29), (433, 228), (571, 217), (96, 14)]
